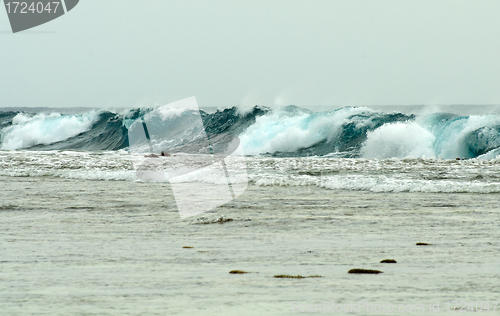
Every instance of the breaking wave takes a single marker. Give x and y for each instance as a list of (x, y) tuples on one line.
[(290, 131)]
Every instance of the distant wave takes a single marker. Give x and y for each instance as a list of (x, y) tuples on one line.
[(285, 132)]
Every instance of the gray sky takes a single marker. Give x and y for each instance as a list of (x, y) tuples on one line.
[(112, 53)]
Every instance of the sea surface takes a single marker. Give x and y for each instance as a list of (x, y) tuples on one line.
[(327, 192)]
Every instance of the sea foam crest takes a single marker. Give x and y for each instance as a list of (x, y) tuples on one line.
[(27, 131), (292, 128), (437, 135), (399, 140), (350, 132)]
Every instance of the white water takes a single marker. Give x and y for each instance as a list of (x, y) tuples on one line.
[(28, 131), (290, 129), (287, 132), (370, 175), (399, 140)]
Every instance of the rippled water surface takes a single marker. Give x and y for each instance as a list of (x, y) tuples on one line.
[(80, 235)]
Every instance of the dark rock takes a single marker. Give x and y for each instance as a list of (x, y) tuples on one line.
[(284, 276), (364, 271), (238, 272)]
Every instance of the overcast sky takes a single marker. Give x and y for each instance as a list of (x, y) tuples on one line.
[(113, 53)]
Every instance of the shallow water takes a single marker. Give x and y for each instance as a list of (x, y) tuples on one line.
[(72, 243)]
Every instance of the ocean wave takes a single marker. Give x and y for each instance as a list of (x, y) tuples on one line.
[(350, 132), (27, 130)]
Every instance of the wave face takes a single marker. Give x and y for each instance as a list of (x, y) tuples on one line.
[(27, 131), (292, 131), (95, 130), (349, 132)]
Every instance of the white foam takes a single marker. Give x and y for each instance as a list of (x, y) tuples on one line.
[(375, 175), (399, 140), (45, 129), (453, 142), (373, 183), (371, 175), (175, 109), (394, 185), (288, 132)]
